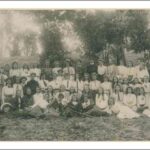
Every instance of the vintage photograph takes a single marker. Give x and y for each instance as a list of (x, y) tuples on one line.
[(75, 75)]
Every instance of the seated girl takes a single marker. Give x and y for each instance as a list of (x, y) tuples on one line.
[(146, 85), (118, 94), (40, 105), (101, 103), (87, 99), (121, 111), (17, 85), (106, 85), (129, 99), (141, 103)]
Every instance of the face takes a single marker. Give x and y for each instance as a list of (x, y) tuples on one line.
[(91, 62), (129, 91), (136, 81), (28, 91), (130, 64), (86, 88), (17, 80), (120, 81), (8, 82), (106, 92), (25, 66), (67, 77), (50, 88), (32, 76), (111, 102), (7, 67), (117, 88), (18, 93), (72, 89), (15, 65), (115, 79), (62, 88), (100, 90), (23, 80), (106, 79)]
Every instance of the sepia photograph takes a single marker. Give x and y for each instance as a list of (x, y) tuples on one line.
[(75, 75)]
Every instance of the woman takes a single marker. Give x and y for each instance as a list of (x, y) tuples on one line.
[(15, 71), (125, 84), (141, 100), (115, 81), (87, 99), (27, 99), (129, 99), (43, 83), (143, 71), (17, 86), (118, 94), (8, 92), (122, 111), (146, 85), (101, 70), (25, 72), (86, 79), (107, 85)]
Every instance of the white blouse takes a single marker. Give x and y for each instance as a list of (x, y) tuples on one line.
[(94, 85), (141, 100), (102, 70), (101, 101), (129, 100)]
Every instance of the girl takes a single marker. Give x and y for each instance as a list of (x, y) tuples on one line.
[(40, 105), (94, 83), (146, 85), (7, 70), (87, 99), (106, 85), (8, 92), (25, 72), (143, 71), (129, 99), (68, 68), (86, 79), (114, 81), (56, 67), (27, 99), (141, 100), (43, 83), (101, 103), (125, 85), (131, 70), (15, 71), (121, 111), (101, 70), (18, 86), (118, 94)]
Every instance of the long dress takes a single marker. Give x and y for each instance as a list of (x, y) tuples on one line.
[(124, 112)]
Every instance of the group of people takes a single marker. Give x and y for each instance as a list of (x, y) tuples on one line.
[(94, 89)]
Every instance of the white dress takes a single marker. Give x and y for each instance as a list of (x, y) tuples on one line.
[(39, 100), (107, 86), (124, 112), (130, 100), (102, 102)]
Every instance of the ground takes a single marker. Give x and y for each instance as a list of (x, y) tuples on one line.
[(74, 129)]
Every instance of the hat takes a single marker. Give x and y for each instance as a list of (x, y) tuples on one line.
[(6, 107)]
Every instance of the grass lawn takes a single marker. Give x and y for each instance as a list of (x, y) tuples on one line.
[(74, 129)]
